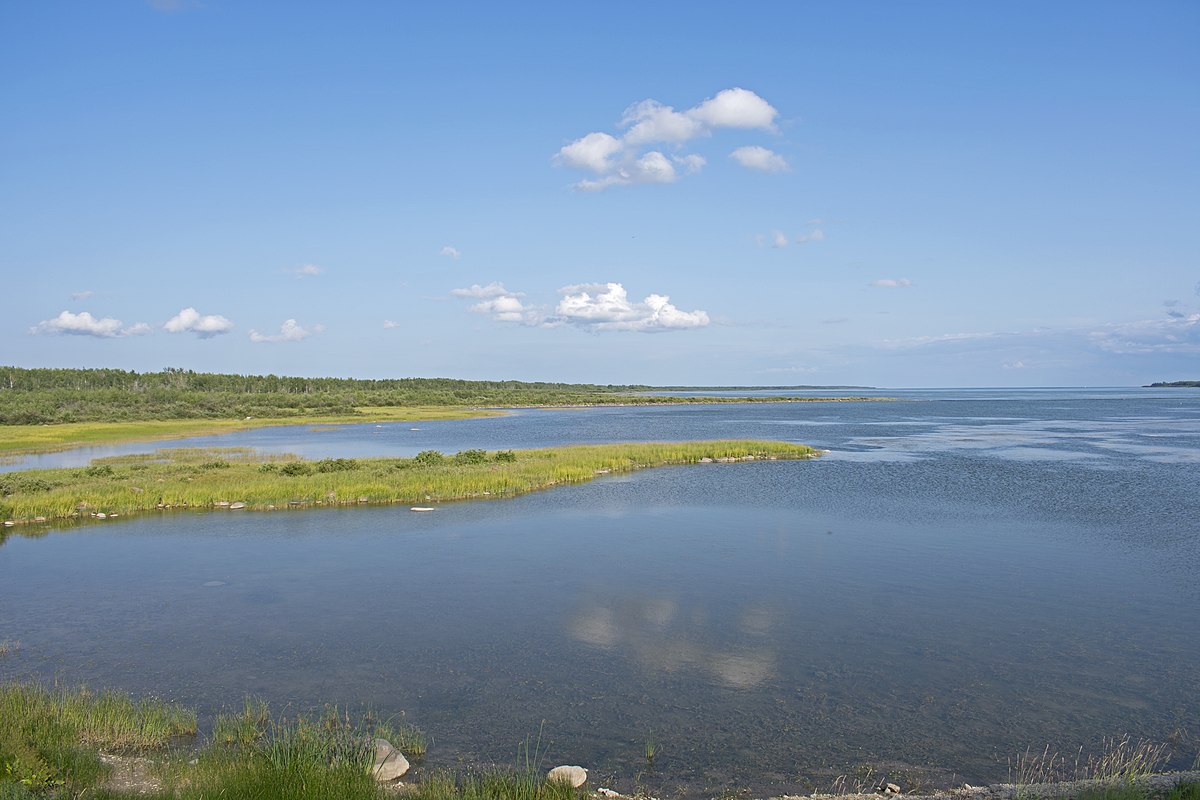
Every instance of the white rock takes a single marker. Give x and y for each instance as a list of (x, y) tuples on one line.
[(102, 515), (390, 763), (236, 506), (420, 508), (576, 776)]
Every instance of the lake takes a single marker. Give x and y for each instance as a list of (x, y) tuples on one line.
[(969, 573)]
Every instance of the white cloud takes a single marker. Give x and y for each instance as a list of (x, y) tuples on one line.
[(594, 307), (593, 152), (815, 236), (491, 290), (84, 295), (778, 239), (289, 331), (389, 324), (624, 161), (759, 158), (204, 326), (451, 252), (651, 121), (892, 283), (84, 324), (606, 307), (736, 108), (307, 271), (1174, 335), (507, 308), (653, 167)]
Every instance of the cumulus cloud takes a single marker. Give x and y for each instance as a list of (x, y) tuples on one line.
[(451, 252), (593, 307), (84, 324), (289, 331), (759, 158), (778, 239), (389, 324), (630, 159), (203, 325), (84, 295), (307, 271), (891, 283), (607, 307)]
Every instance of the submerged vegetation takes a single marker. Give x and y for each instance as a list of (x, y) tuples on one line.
[(236, 479)]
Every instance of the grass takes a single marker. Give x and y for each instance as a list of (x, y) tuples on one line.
[(50, 738), (1116, 760), (22, 439), (206, 479)]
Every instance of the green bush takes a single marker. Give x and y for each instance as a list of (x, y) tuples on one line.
[(506, 456), (471, 457), (98, 471), (429, 458), (267, 467), (296, 468)]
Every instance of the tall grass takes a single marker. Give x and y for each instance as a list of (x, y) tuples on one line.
[(200, 479), (49, 737), (1117, 759)]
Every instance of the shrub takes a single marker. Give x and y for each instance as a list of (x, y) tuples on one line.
[(429, 458), (98, 471), (506, 456), (296, 468), (471, 457), (215, 465), (267, 467)]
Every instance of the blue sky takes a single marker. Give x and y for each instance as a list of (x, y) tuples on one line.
[(890, 194)]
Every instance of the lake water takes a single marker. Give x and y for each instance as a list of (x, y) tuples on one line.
[(966, 574)]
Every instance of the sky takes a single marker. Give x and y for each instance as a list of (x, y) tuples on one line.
[(797, 193)]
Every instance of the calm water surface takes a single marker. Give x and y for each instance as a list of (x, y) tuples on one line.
[(965, 575)]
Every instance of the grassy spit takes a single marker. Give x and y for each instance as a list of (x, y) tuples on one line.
[(24, 439), (204, 479)]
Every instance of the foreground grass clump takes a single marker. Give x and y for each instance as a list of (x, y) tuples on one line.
[(493, 785), (50, 738), (218, 479)]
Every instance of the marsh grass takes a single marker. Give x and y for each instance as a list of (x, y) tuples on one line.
[(16, 439), (49, 738), (1117, 761), (192, 479)]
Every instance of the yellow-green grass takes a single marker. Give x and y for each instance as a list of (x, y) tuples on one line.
[(22, 439), (200, 479)]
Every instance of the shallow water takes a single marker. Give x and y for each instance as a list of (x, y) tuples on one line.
[(964, 576)]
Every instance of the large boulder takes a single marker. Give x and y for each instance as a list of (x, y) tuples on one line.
[(390, 763), (575, 776)]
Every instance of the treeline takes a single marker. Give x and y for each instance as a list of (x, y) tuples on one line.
[(1175, 385), (42, 396)]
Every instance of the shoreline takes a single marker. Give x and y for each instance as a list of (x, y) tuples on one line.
[(26, 440)]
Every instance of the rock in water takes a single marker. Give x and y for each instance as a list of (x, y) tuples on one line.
[(390, 763), (575, 776)]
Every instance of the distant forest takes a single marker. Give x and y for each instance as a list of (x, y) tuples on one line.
[(1175, 385), (36, 396)]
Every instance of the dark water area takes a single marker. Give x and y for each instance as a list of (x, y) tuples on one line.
[(965, 575)]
